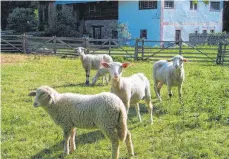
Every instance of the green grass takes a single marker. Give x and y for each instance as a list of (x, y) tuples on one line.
[(198, 128)]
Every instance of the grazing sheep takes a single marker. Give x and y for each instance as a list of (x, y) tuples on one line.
[(130, 89), (101, 72), (90, 61), (104, 111), (170, 74)]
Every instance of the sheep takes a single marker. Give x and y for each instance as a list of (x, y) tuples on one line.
[(169, 72), (130, 89), (104, 111), (101, 72), (91, 62)]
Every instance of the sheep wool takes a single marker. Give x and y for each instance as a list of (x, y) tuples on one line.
[(104, 111)]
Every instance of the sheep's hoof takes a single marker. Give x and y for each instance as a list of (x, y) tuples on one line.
[(87, 83)]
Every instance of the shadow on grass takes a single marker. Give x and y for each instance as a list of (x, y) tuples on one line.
[(82, 139)]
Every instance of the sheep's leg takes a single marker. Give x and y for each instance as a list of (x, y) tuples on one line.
[(87, 77), (180, 92), (138, 112), (94, 80), (160, 84), (127, 105), (113, 136), (169, 91), (129, 144), (72, 140), (67, 137), (150, 108), (107, 79), (156, 90)]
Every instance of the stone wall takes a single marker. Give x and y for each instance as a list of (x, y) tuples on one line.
[(106, 31)]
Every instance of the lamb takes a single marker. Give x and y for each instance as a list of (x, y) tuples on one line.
[(170, 73), (104, 111), (130, 89), (101, 72), (91, 62)]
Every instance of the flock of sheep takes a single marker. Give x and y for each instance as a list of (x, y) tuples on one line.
[(108, 111)]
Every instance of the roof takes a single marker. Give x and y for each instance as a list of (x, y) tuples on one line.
[(75, 1)]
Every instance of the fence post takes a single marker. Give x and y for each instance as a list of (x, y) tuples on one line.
[(143, 42), (180, 47), (54, 48), (218, 58), (24, 43), (109, 46), (136, 49)]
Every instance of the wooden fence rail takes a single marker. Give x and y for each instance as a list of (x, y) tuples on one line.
[(138, 49)]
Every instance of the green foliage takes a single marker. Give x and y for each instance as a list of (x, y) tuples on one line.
[(22, 20), (123, 31), (196, 128), (63, 23)]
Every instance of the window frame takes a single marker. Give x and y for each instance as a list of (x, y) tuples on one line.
[(168, 7), (193, 6), (141, 33), (214, 2), (142, 3)]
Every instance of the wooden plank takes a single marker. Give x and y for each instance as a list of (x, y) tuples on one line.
[(15, 41)]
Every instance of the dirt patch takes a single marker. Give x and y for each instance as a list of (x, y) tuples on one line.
[(7, 59)]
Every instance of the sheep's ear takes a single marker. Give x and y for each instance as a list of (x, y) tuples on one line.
[(126, 64), (33, 93), (52, 99), (185, 60), (105, 64)]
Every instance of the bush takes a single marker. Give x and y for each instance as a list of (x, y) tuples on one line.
[(62, 23), (22, 20)]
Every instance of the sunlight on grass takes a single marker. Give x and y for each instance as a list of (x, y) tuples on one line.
[(198, 128)]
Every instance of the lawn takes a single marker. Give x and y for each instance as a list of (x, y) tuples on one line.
[(197, 128)]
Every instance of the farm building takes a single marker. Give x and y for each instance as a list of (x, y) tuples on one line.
[(156, 20)]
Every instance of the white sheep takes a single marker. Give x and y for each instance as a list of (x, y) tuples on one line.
[(101, 72), (170, 73), (130, 89), (104, 111), (91, 62)]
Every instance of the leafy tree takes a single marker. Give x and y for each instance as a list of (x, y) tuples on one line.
[(62, 23), (22, 20), (8, 6)]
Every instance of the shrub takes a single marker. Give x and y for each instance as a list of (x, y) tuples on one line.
[(22, 20)]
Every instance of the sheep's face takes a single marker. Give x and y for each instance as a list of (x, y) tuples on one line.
[(178, 61), (43, 97), (79, 51), (115, 68)]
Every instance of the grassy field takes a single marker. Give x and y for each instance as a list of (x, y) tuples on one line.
[(198, 128)]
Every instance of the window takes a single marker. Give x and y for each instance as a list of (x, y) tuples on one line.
[(178, 36), (193, 5), (143, 34), (204, 31), (169, 4), (196, 32), (92, 8), (147, 4), (114, 34), (215, 6)]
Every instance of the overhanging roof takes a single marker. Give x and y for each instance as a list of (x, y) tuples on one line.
[(75, 1)]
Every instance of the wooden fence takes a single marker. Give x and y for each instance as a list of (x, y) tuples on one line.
[(137, 49)]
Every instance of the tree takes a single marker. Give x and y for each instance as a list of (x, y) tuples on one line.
[(22, 20), (8, 6), (62, 23)]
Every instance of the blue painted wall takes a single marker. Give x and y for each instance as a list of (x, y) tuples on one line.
[(189, 21), (137, 20)]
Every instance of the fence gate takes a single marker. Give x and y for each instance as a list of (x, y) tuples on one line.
[(12, 43), (157, 50), (223, 53)]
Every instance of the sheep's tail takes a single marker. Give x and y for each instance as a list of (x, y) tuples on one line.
[(122, 124)]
